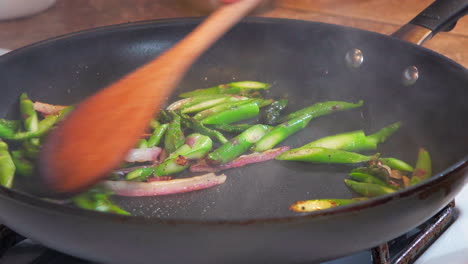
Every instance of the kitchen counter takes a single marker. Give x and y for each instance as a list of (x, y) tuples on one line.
[(374, 15)]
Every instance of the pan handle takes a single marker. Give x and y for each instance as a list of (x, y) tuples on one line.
[(442, 15)]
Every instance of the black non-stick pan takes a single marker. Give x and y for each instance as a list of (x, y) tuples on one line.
[(246, 220)]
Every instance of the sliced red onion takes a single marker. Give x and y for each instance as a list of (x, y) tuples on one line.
[(128, 188), (202, 166), (143, 155), (48, 109), (178, 104)]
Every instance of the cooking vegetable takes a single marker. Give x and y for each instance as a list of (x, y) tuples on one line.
[(198, 127), (97, 199), (7, 167), (321, 204), (23, 166), (243, 87), (143, 154), (238, 128), (186, 102), (196, 147), (396, 164), (323, 155), (202, 113), (48, 109), (233, 114), (368, 189), (142, 144), (271, 114), (281, 132), (154, 188), (174, 137), (243, 160), (219, 108), (367, 178), (211, 103), (43, 127), (238, 145), (355, 140), (323, 108), (423, 168), (157, 135), (11, 125), (29, 115), (299, 120)]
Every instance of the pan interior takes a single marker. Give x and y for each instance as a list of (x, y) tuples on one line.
[(304, 60)]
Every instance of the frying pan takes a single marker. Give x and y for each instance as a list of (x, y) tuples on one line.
[(247, 218)]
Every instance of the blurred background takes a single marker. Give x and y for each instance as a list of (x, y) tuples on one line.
[(65, 16)]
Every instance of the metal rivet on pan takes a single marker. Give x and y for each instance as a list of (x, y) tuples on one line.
[(354, 58), (410, 75)]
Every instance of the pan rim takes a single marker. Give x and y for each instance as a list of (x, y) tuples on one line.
[(78, 212)]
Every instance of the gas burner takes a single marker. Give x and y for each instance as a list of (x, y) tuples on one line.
[(403, 250)]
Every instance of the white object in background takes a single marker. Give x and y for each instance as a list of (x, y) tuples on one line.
[(3, 51), (10, 9), (452, 246)]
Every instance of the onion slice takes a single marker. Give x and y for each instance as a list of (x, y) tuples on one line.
[(155, 188), (202, 166), (143, 155), (48, 109)]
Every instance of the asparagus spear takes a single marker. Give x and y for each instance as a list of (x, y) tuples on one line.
[(12, 125), (196, 125), (271, 114), (396, 164), (355, 140), (368, 189), (219, 108), (237, 145), (299, 120), (367, 178), (211, 103), (187, 102), (196, 146), (281, 132), (23, 166), (321, 204), (174, 137), (423, 168), (323, 155), (142, 143), (29, 115), (243, 87), (234, 114), (157, 135), (43, 127), (97, 199), (7, 166), (322, 108), (239, 128)]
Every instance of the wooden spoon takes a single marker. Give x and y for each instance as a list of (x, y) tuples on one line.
[(96, 137)]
